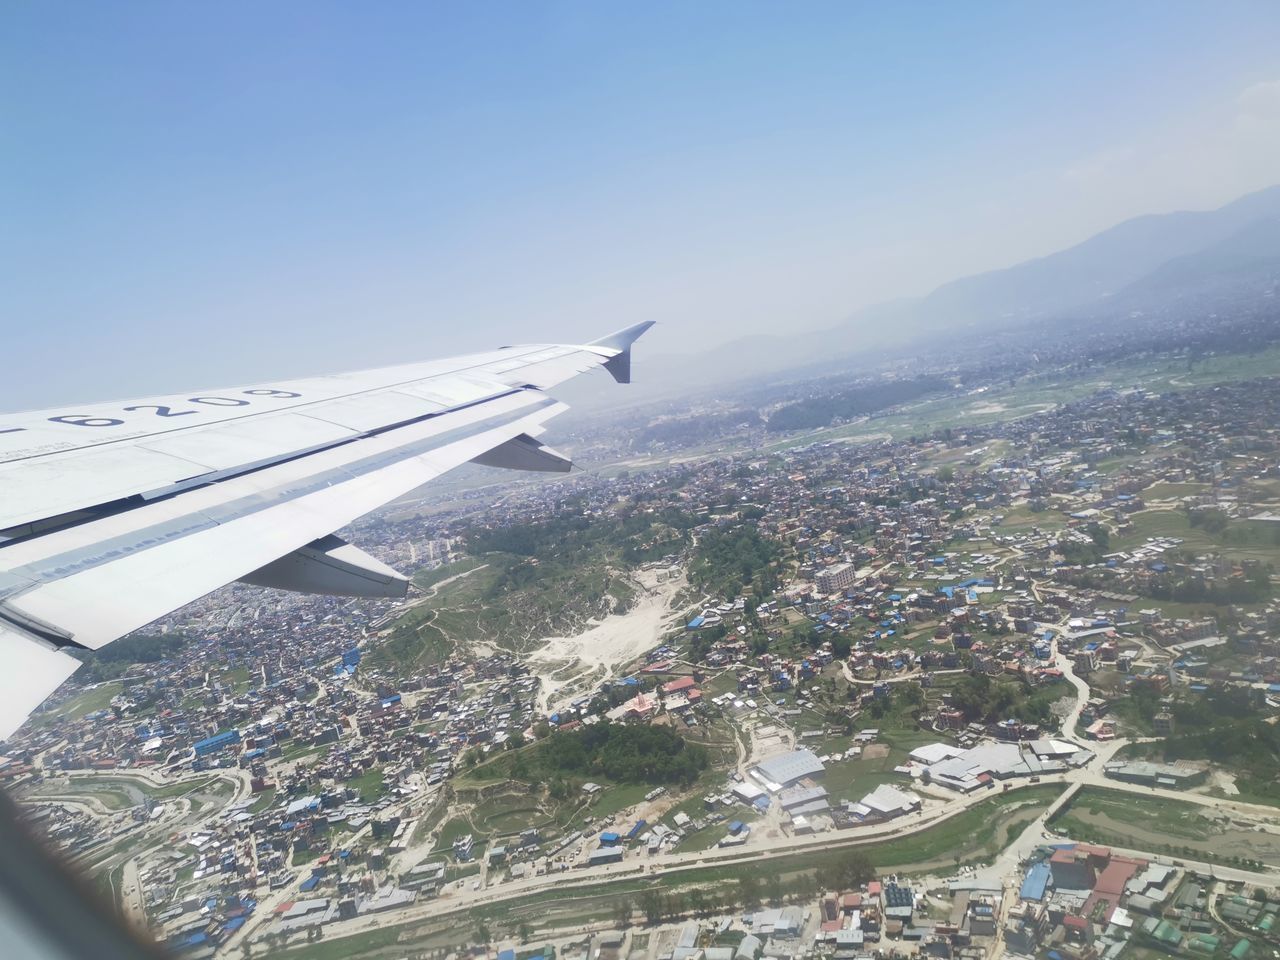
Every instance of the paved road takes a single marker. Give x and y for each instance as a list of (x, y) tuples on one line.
[(131, 898)]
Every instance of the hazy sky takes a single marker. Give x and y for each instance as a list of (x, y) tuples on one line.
[(195, 194)]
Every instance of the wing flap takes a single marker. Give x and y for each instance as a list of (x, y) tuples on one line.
[(32, 671)]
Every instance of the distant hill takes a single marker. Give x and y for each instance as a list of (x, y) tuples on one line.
[(1248, 260), (1081, 277), (1140, 265)]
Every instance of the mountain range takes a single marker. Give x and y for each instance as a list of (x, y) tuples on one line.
[(1142, 265)]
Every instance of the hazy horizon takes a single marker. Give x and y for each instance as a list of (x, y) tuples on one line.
[(231, 195)]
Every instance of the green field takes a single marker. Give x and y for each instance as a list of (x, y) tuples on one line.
[(1175, 818), (1242, 539), (1168, 491), (117, 792), (1033, 394), (263, 800), (79, 704), (368, 784)]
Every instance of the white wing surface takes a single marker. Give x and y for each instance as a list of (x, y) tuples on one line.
[(113, 515)]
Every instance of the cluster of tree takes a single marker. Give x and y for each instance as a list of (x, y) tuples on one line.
[(1225, 727), (983, 699), (1254, 587), (855, 402), (732, 561), (571, 537), (624, 754), (1216, 523), (1085, 553), (114, 660), (841, 642), (906, 700), (703, 640), (689, 431), (751, 890), (1211, 521)]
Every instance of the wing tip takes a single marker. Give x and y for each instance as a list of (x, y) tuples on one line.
[(619, 365), (624, 338)]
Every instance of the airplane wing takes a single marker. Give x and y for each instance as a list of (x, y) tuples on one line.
[(111, 516)]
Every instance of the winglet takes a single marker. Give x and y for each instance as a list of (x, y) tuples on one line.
[(619, 346)]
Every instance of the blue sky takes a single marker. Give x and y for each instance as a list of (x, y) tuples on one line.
[(195, 194)]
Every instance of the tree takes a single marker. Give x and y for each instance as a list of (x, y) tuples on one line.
[(622, 913), (855, 869), (698, 902), (653, 905), (806, 886), (483, 933), (524, 932), (773, 889), (749, 891)]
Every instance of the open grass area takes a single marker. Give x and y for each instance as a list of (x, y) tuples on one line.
[(80, 704), (454, 829), (368, 785), (1169, 491), (111, 797), (1165, 826), (618, 797), (263, 800), (425, 579), (1022, 517), (1242, 539), (117, 792), (299, 750), (1175, 818), (712, 834), (1041, 392)]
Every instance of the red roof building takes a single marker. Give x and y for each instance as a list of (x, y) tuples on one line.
[(679, 685)]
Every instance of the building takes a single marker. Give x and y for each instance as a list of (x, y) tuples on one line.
[(604, 855), (217, 742), (885, 802), (1072, 869), (1172, 776), (784, 770), (835, 577)]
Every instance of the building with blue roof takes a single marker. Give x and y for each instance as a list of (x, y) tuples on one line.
[(217, 742), (1036, 881)]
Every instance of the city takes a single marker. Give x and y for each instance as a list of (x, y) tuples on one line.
[(925, 682)]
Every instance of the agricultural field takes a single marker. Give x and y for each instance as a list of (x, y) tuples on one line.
[(89, 700), (1241, 540)]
